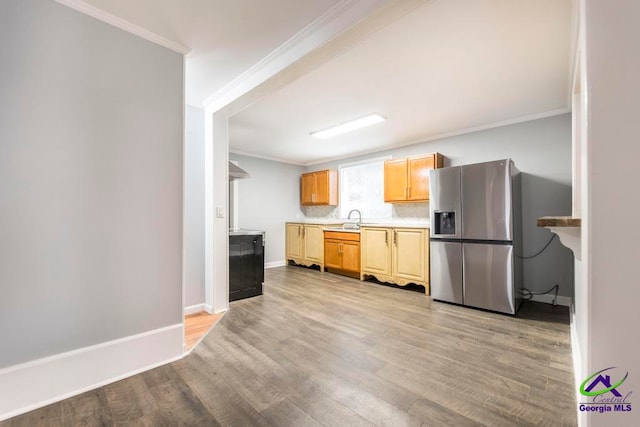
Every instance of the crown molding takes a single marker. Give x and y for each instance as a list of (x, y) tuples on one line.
[(486, 126), (124, 25), (263, 157), (338, 18)]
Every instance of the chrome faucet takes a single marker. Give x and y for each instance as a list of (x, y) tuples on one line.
[(359, 216)]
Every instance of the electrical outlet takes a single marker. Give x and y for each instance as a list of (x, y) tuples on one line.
[(219, 211)]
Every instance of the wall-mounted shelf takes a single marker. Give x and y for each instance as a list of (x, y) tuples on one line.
[(568, 230)]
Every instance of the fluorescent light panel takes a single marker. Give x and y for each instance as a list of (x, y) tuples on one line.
[(349, 126)]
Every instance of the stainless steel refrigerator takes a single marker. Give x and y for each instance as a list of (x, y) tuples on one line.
[(476, 234)]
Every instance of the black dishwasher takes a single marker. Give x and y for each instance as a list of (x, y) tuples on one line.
[(246, 263)]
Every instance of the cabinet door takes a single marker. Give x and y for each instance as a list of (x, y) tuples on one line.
[(332, 253), (395, 180), (307, 189), (409, 254), (294, 241), (376, 250), (313, 243), (419, 177), (351, 256), (321, 196)]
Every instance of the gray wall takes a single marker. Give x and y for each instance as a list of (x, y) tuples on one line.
[(269, 198), (91, 170), (194, 206), (541, 149)]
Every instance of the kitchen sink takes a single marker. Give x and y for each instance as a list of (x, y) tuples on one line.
[(351, 228)]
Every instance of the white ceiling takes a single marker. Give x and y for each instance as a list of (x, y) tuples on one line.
[(447, 67), (431, 67), (225, 37)]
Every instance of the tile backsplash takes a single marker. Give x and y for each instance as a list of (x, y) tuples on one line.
[(330, 212), (412, 211), (407, 211)]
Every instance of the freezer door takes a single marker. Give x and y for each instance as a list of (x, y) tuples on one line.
[(444, 202), (486, 201), (488, 277), (446, 271)]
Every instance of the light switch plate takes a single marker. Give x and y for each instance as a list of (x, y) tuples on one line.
[(219, 211)]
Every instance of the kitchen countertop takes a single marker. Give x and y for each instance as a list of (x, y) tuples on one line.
[(365, 223), (559, 221), (568, 229)]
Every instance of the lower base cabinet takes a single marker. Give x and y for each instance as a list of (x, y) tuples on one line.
[(304, 244), (396, 255), (342, 252), (389, 254)]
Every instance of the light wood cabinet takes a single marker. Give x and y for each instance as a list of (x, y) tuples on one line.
[(305, 244), (407, 179), (313, 243), (376, 251), (395, 255), (319, 188), (342, 252), (294, 247), (410, 254)]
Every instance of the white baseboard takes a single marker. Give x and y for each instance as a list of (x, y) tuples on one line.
[(575, 353), (38, 383), (192, 309), (548, 299), (275, 264)]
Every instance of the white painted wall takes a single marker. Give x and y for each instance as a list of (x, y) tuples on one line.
[(269, 198), (541, 149), (194, 206), (216, 154), (612, 60), (91, 164)]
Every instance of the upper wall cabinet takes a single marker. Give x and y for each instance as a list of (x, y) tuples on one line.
[(407, 179), (319, 188)]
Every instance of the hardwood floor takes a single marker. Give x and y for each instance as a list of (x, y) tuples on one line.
[(197, 325), (320, 349)]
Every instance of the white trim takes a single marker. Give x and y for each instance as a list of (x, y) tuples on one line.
[(365, 161), (522, 119), (183, 296), (234, 196), (197, 308), (260, 156), (40, 382), (124, 25), (275, 264), (209, 309), (575, 353), (548, 299), (335, 20), (487, 126)]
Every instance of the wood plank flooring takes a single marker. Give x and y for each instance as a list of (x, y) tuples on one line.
[(197, 325), (320, 349)]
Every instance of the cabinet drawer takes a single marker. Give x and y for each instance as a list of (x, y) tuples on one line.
[(338, 235)]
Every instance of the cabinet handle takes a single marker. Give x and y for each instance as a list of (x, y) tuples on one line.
[(386, 237), (395, 237)]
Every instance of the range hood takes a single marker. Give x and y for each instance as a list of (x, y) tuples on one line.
[(236, 172)]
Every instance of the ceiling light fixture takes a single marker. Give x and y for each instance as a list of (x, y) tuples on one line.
[(349, 126)]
